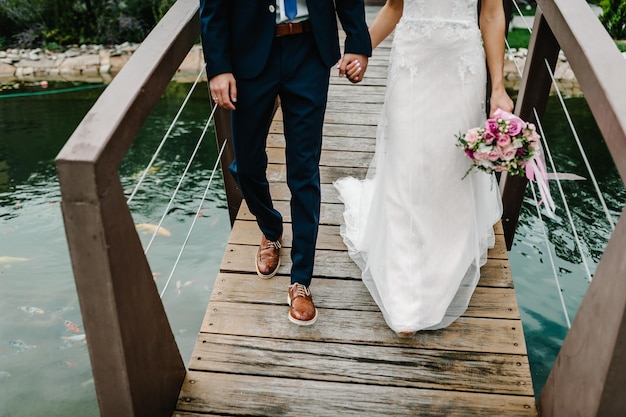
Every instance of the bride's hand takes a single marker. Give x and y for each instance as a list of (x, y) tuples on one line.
[(500, 100)]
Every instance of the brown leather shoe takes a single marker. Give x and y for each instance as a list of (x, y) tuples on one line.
[(268, 257), (302, 311)]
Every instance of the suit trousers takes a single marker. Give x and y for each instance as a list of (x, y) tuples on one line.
[(296, 73)]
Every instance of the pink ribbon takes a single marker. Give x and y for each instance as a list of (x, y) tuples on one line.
[(536, 172)]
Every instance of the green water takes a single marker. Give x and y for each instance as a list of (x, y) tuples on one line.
[(44, 374)]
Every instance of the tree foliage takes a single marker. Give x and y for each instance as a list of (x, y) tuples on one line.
[(29, 23), (614, 17)]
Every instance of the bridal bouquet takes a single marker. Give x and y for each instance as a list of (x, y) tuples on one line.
[(504, 143), (507, 143)]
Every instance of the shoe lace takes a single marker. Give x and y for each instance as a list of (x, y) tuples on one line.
[(300, 291), (275, 244)]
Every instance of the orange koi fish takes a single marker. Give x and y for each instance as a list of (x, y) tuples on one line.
[(73, 327)]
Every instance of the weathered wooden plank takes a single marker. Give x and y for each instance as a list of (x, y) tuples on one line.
[(246, 232), (487, 302), (361, 364), (337, 264), (209, 392), (328, 174), (330, 143), (328, 158), (348, 326), (375, 108), (341, 117), (336, 130)]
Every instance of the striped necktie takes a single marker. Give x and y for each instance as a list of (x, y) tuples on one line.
[(291, 10)]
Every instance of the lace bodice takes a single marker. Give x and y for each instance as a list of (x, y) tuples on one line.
[(440, 9), (432, 29)]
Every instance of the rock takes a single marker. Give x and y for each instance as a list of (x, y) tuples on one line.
[(7, 70)]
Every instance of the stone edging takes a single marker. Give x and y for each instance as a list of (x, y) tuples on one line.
[(97, 63), (79, 63)]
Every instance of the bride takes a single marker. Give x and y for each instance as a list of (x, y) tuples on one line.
[(418, 231)]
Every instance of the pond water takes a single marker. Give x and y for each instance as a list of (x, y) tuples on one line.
[(44, 365), (43, 370)]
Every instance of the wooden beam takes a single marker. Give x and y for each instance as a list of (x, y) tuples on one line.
[(589, 375), (533, 95)]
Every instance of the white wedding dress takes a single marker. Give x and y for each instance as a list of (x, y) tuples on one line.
[(418, 231)]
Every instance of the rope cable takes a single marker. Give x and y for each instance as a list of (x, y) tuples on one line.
[(552, 263), (582, 151), (180, 181), (165, 137), (193, 223), (562, 193)]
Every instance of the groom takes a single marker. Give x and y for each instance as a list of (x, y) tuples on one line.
[(256, 50)]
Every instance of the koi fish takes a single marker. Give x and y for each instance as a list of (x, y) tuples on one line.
[(66, 364), (149, 228), (87, 383), (76, 338), (73, 327), (152, 170), (31, 310), (19, 345), (11, 259)]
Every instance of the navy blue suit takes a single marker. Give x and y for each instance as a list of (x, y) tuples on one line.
[(238, 38)]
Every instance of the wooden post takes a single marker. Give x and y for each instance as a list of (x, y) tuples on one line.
[(589, 375), (223, 133), (135, 362), (533, 94)]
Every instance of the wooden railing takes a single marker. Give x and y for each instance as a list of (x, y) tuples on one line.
[(137, 367), (589, 375), (136, 364)]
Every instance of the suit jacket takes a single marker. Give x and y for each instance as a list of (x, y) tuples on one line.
[(237, 35)]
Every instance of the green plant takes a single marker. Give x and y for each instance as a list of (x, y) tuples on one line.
[(614, 17), (518, 38)]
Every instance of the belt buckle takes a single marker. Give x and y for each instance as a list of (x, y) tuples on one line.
[(290, 26)]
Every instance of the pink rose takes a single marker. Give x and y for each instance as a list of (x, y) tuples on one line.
[(491, 125), (471, 137), (515, 125), (504, 140), (494, 155), (488, 137), (481, 156), (470, 154), (508, 152)]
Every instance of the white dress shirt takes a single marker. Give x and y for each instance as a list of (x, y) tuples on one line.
[(303, 12)]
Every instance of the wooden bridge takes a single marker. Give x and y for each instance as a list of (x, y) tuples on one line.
[(249, 360)]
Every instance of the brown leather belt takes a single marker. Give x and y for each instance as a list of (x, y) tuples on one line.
[(285, 29)]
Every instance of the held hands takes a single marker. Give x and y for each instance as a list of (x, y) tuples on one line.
[(224, 90), (352, 66)]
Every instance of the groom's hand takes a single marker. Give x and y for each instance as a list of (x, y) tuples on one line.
[(353, 66), (224, 90)]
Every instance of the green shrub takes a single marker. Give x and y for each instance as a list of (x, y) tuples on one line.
[(518, 38), (63, 22), (614, 17)]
